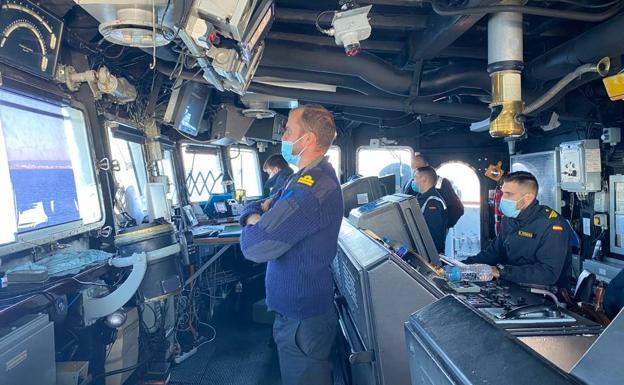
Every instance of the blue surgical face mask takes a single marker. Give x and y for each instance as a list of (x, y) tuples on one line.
[(415, 186), (509, 208), (287, 152)]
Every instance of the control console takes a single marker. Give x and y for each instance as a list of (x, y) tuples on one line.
[(506, 303)]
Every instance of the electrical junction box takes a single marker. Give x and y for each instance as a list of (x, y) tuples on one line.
[(580, 166)]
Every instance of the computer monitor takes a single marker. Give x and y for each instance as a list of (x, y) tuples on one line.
[(186, 106), (399, 219), (388, 183), (360, 191)]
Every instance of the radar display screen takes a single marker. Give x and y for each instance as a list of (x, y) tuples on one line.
[(29, 37)]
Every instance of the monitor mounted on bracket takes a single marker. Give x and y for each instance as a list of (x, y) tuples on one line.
[(186, 106)]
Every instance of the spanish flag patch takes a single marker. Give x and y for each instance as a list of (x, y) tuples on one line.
[(557, 228), (306, 180)]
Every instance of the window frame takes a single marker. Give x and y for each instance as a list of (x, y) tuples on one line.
[(258, 170), (130, 135), (37, 237), (197, 148)]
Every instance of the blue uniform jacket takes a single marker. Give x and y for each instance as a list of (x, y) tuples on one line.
[(277, 181), (435, 215), (298, 237), (533, 248)]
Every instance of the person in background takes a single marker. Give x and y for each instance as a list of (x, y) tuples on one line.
[(296, 232), (278, 170), (534, 244), (454, 205), (432, 205)]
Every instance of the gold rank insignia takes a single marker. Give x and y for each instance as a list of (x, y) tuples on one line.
[(526, 234), (553, 214), (557, 228), (306, 180)]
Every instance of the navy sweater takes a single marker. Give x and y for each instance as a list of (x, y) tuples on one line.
[(298, 237)]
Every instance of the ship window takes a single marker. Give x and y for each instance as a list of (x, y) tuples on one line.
[(203, 172), (334, 159), (246, 171), (46, 169), (131, 177), (464, 239), (380, 161)]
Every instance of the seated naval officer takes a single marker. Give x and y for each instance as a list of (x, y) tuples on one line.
[(533, 245), (296, 232), (279, 171), (432, 205)]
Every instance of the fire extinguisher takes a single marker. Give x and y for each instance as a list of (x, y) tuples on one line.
[(498, 215)]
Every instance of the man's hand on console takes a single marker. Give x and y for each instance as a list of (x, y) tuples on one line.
[(495, 271)]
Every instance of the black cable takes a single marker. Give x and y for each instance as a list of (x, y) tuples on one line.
[(118, 371), (318, 26), (536, 11), (182, 17)]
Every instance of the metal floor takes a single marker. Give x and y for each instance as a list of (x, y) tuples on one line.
[(240, 355)]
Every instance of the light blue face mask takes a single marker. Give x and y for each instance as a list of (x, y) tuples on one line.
[(287, 152), (509, 208), (415, 186)]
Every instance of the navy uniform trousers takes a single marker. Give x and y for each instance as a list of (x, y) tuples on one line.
[(304, 348)]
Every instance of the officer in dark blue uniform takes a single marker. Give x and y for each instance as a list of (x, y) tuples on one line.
[(279, 171), (533, 246), (432, 205), (296, 232)]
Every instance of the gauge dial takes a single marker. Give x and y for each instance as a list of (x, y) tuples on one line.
[(29, 37)]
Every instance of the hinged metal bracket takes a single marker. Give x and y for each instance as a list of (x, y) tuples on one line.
[(106, 164), (362, 357)]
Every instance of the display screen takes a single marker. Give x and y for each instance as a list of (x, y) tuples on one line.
[(190, 107), (46, 168)]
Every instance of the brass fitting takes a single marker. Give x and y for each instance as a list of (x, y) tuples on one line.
[(506, 104)]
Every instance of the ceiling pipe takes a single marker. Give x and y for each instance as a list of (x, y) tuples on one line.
[(603, 40), (347, 82), (370, 69), (381, 46), (367, 67), (421, 105), (388, 103), (401, 22), (451, 79), (505, 64)]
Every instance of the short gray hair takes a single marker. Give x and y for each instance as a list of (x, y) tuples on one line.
[(319, 121)]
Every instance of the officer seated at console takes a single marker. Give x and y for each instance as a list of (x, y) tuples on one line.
[(533, 245)]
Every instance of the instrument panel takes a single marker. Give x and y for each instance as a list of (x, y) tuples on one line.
[(30, 37)]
